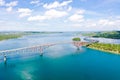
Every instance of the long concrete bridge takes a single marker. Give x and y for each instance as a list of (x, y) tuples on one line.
[(38, 48)]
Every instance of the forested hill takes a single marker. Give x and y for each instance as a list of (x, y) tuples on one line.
[(112, 34)]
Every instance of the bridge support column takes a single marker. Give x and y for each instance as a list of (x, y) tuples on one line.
[(5, 59), (78, 48), (41, 51)]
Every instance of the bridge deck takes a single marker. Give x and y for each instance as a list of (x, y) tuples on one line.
[(39, 47)]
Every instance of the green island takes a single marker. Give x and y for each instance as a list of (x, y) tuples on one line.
[(113, 48), (104, 34), (76, 39), (9, 36)]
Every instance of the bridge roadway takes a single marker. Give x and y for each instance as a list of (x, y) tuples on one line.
[(38, 48)]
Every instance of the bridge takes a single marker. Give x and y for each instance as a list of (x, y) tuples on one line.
[(39, 48)]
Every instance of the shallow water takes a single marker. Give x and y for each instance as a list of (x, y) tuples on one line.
[(59, 62)]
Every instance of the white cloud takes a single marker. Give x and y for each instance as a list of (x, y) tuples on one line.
[(9, 6), (69, 8), (76, 18), (80, 11), (98, 24), (24, 12), (12, 4), (34, 2), (2, 2), (9, 9), (55, 14), (105, 22), (65, 3), (36, 18), (50, 14), (57, 4)]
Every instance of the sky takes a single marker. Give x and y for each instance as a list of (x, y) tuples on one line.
[(59, 15)]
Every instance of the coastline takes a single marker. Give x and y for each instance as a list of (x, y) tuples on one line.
[(112, 52), (11, 36)]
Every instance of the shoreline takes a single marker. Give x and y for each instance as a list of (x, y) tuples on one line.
[(112, 52), (7, 37)]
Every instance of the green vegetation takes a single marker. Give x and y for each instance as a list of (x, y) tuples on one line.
[(76, 39), (114, 48), (112, 34), (9, 36)]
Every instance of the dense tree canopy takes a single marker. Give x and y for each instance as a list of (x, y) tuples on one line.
[(76, 39), (112, 34)]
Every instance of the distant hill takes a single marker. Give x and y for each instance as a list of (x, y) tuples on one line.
[(106, 34)]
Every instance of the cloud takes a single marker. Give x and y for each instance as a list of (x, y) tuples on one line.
[(24, 12), (77, 16), (56, 4), (96, 25), (36, 18), (55, 14), (80, 11), (12, 4), (49, 14), (9, 6), (9, 9), (35, 2), (2, 2), (69, 8), (106, 22)]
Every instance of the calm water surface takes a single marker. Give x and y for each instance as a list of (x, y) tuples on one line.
[(59, 62)]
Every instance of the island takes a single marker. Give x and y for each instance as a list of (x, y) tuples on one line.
[(76, 39)]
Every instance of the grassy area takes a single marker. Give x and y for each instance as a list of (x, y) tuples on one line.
[(9, 36), (114, 48)]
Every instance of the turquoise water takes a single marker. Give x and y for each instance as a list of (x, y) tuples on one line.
[(59, 62)]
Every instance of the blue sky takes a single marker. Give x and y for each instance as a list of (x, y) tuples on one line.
[(59, 15)]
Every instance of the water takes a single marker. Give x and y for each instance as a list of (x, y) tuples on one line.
[(106, 40), (59, 62)]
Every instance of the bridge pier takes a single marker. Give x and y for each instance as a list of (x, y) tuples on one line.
[(5, 59), (41, 51), (78, 48)]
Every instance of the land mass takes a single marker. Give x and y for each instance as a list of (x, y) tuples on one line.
[(113, 48), (105, 34), (15, 34), (9, 36)]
